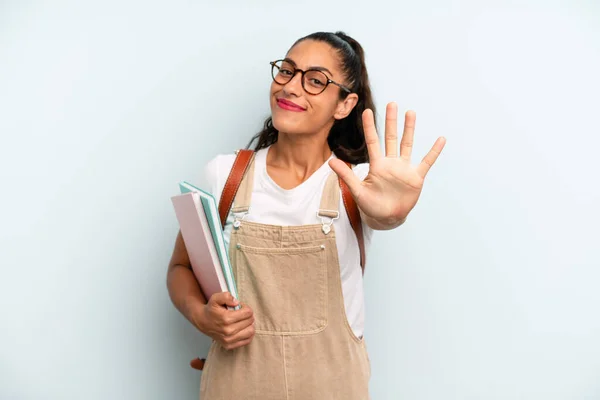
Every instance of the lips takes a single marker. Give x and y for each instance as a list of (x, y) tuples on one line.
[(288, 105)]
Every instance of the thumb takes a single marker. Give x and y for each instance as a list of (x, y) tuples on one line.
[(224, 299), (346, 174)]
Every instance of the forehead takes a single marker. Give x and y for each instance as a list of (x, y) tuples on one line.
[(310, 53)]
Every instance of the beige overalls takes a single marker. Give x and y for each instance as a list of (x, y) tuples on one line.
[(304, 348)]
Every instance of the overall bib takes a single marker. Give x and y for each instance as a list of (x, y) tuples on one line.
[(304, 347)]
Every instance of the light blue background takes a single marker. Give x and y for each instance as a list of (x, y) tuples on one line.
[(489, 291)]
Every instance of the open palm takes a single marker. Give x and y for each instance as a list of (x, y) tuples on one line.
[(393, 186)]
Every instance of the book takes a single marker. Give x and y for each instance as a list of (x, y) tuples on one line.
[(200, 225)]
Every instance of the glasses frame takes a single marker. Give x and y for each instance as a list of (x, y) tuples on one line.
[(296, 70)]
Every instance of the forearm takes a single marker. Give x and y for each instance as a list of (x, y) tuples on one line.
[(184, 291)]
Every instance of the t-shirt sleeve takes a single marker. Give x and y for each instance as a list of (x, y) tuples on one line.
[(361, 170), (215, 173)]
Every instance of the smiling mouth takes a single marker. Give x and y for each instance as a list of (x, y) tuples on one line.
[(288, 105)]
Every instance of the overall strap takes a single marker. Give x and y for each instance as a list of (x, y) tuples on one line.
[(241, 201), (242, 161), (330, 198)]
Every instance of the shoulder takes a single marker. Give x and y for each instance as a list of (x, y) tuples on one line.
[(215, 173), (218, 166)]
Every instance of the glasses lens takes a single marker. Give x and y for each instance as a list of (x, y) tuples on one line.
[(315, 81), (282, 72)]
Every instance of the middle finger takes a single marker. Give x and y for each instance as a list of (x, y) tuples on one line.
[(391, 130), (243, 334), (371, 139)]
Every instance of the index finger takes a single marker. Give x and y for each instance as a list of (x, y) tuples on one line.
[(233, 316), (371, 139), (391, 130)]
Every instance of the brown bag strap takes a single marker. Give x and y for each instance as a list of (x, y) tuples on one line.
[(355, 220), (198, 363), (240, 165)]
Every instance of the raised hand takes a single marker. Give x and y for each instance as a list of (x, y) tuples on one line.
[(393, 186)]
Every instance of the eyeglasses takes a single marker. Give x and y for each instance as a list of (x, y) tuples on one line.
[(313, 80)]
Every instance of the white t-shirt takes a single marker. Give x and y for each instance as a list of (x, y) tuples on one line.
[(271, 204)]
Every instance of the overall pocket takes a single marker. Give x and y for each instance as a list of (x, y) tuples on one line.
[(285, 287)]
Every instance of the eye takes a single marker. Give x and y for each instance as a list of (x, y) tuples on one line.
[(286, 71), (316, 79)]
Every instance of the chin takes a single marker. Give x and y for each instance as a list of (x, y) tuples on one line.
[(286, 123)]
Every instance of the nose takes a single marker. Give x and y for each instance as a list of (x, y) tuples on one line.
[(294, 86)]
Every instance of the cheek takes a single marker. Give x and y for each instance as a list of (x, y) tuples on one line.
[(324, 108), (273, 90)]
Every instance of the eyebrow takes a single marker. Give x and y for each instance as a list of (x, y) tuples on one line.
[(313, 68)]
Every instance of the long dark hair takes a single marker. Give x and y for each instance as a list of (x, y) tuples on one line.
[(346, 137)]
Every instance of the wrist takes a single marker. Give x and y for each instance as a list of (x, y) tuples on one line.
[(384, 224), (194, 312)]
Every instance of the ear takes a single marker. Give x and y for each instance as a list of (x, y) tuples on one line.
[(345, 106)]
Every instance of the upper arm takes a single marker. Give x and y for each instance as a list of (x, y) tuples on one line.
[(180, 255)]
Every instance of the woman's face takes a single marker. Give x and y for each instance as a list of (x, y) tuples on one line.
[(293, 110)]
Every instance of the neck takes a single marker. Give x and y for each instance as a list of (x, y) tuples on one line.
[(303, 152), (298, 155)]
